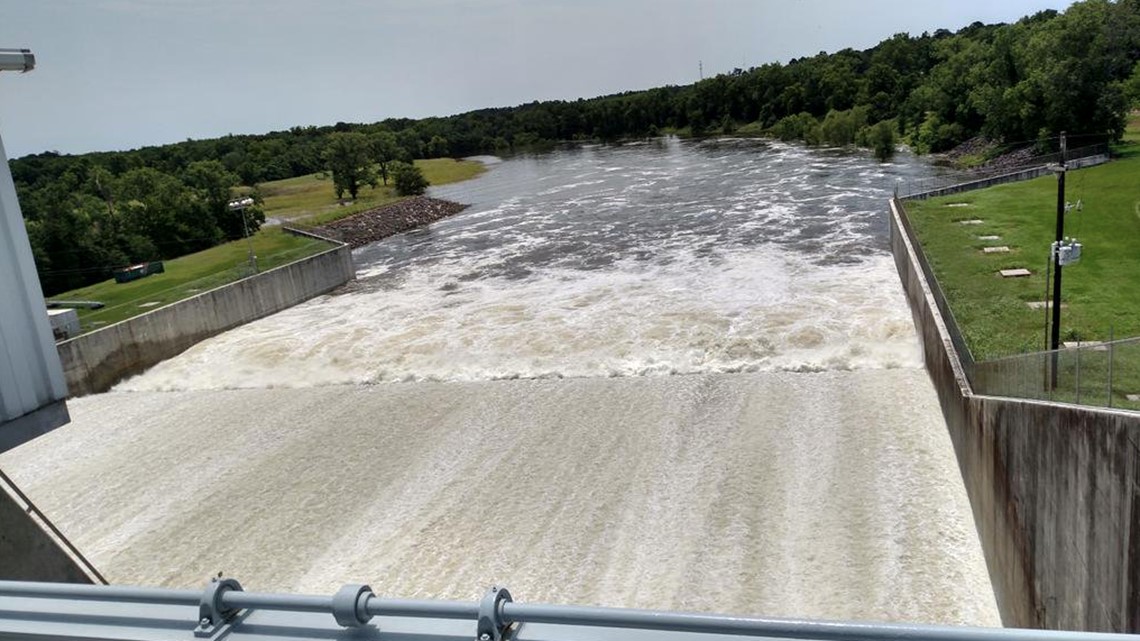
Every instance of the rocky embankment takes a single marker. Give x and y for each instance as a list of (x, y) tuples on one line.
[(982, 147), (375, 224)]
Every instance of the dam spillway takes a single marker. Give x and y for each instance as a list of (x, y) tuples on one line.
[(778, 493), (670, 375)]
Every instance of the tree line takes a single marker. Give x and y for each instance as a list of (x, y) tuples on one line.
[(1019, 83)]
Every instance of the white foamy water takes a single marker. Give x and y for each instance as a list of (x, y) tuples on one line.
[(748, 313), (720, 407), (674, 259), (830, 494)]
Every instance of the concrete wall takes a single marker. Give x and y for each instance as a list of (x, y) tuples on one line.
[(1055, 488), (94, 362), (29, 551)]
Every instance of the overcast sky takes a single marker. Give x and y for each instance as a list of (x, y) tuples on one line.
[(118, 74)]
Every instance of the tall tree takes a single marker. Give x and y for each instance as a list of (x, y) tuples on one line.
[(385, 148), (349, 157)]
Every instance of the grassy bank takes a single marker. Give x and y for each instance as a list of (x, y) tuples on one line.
[(1100, 294), (305, 199), (189, 275), (310, 199)]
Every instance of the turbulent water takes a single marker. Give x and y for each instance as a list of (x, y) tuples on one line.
[(720, 406), (642, 259)]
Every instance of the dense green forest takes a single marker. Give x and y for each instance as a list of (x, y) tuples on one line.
[(1019, 83)]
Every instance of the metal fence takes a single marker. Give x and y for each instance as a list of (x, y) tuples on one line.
[(1093, 373), (1075, 159)]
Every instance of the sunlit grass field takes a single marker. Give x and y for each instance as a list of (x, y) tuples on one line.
[(1101, 292), (304, 200), (311, 198), (189, 275)]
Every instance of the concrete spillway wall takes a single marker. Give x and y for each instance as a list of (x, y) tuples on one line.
[(30, 549), (94, 362), (1055, 488)]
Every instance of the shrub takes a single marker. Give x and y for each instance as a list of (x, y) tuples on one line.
[(881, 138), (408, 179), (802, 126)]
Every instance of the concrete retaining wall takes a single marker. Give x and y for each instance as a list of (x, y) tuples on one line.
[(1055, 488), (29, 551), (94, 362)]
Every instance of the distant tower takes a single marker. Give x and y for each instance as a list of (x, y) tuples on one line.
[(701, 68)]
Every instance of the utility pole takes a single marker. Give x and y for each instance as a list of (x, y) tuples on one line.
[(701, 68), (1055, 339)]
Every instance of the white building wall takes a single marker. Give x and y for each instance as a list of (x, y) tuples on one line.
[(30, 373)]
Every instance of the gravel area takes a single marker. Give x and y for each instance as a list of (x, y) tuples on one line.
[(376, 224)]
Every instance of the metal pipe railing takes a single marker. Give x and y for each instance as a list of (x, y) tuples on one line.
[(505, 613), (82, 592)]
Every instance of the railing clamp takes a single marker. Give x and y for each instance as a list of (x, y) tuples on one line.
[(211, 613), (491, 626), (350, 605)]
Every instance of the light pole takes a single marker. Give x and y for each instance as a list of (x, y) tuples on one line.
[(240, 206)]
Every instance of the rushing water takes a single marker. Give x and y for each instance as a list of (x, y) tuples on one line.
[(658, 258), (799, 467)]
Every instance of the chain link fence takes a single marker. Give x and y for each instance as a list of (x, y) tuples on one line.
[(1074, 159), (1092, 373)]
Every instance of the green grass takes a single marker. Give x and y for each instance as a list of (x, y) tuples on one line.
[(310, 199), (307, 199), (189, 275), (1101, 292)]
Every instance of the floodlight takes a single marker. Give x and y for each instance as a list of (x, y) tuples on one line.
[(20, 60)]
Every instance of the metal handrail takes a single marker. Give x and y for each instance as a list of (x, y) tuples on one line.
[(355, 605)]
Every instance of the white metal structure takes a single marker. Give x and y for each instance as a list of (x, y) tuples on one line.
[(32, 388)]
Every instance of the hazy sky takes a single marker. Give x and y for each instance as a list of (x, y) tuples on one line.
[(117, 74)]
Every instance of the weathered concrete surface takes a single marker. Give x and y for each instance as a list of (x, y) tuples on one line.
[(94, 362), (1055, 488), (28, 551)]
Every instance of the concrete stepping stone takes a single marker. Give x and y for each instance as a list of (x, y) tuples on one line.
[(1020, 272), (958, 204), (150, 303), (1135, 398), (1041, 304), (996, 250), (989, 238), (972, 221), (1096, 346)]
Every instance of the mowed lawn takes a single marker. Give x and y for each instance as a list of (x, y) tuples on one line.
[(189, 275), (305, 200), (311, 199), (1101, 292)]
